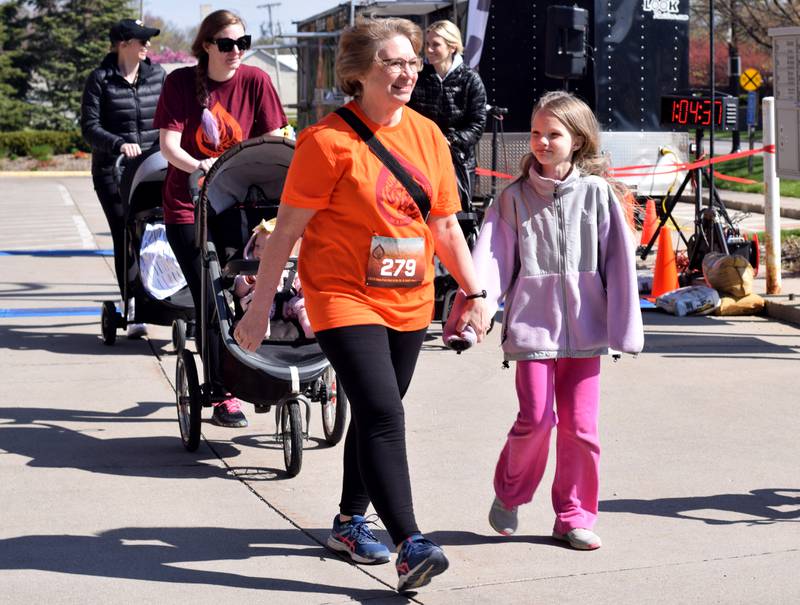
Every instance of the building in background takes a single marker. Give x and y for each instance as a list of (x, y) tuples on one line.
[(284, 78)]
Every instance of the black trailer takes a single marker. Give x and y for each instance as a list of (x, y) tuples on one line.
[(620, 56)]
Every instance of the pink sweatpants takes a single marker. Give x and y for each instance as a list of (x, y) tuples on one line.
[(574, 383)]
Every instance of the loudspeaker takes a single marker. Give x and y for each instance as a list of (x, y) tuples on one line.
[(565, 42)]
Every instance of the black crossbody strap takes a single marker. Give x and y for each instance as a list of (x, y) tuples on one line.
[(416, 192)]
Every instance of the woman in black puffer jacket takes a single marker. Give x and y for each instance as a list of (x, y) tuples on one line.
[(452, 95), (119, 100)]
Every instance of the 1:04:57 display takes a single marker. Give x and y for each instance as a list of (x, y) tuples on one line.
[(695, 112)]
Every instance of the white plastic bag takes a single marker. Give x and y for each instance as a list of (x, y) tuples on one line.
[(160, 272), (691, 300)]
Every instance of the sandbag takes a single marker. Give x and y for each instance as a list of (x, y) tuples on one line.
[(752, 304), (729, 274), (691, 300)]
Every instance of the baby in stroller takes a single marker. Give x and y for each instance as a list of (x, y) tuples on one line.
[(293, 307)]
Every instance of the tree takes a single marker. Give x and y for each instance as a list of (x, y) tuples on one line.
[(751, 55), (66, 40), (171, 38), (14, 110), (747, 20)]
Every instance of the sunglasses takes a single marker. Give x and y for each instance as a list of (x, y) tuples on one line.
[(225, 45)]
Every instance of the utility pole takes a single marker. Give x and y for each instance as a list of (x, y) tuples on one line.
[(734, 71), (269, 6)]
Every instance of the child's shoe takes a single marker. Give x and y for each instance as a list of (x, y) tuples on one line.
[(355, 538), (418, 560), (229, 414), (580, 539), (503, 520)]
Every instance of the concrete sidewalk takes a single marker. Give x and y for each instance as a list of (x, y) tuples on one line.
[(700, 495)]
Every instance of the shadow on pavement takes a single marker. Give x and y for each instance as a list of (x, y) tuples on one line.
[(468, 538), (36, 434), (46, 337), (162, 554), (38, 291), (698, 335), (758, 507)]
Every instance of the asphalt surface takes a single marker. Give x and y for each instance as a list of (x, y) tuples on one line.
[(700, 492)]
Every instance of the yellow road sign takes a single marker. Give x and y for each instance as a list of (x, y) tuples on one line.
[(750, 79)]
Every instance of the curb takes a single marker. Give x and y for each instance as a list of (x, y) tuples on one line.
[(783, 307), (42, 173)]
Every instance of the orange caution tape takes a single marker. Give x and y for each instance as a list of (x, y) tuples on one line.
[(626, 171)]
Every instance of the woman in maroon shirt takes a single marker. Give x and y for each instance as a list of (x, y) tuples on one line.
[(203, 111)]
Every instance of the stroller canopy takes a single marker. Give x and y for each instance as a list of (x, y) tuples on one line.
[(254, 167)]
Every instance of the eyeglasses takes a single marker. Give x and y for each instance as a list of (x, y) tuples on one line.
[(225, 45), (397, 66)]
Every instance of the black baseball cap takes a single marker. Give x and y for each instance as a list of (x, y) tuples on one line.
[(128, 29)]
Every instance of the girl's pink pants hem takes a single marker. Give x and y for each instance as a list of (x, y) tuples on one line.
[(573, 384)]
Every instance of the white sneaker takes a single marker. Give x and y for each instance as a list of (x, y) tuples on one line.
[(580, 539), (136, 331)]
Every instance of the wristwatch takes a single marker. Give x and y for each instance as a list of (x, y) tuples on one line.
[(481, 294)]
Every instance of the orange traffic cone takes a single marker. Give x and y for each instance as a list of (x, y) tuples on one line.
[(650, 221), (665, 273)]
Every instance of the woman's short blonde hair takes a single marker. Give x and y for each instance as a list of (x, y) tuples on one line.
[(359, 46), (449, 32)]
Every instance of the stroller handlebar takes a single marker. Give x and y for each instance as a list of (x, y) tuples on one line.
[(195, 184), (117, 170)]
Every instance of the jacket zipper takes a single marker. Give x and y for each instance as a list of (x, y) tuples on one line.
[(138, 111), (562, 262)]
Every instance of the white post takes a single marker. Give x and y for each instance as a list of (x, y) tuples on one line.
[(772, 200)]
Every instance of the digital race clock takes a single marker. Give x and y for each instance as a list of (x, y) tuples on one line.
[(695, 112)]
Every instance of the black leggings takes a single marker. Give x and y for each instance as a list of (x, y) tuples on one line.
[(114, 210), (184, 244), (375, 365)]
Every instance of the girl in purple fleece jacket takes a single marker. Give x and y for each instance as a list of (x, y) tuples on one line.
[(556, 248)]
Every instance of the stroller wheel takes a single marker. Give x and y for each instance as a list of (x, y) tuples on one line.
[(179, 335), (334, 408), (447, 306), (292, 436), (109, 320), (189, 403)]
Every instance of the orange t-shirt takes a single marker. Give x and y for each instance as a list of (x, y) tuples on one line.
[(357, 199)]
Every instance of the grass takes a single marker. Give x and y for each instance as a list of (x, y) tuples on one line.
[(785, 234), (789, 188)]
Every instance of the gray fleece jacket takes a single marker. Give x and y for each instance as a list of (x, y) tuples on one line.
[(561, 256)]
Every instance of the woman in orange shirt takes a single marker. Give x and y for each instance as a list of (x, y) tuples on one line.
[(366, 264)]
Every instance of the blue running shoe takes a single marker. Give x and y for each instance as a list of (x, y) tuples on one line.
[(418, 561), (355, 538)]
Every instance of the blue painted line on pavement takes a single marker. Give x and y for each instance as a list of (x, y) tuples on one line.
[(56, 253), (50, 312)]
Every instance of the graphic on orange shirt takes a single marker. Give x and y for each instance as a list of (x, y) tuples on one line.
[(230, 133), (394, 202)]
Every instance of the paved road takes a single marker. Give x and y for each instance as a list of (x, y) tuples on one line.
[(700, 495)]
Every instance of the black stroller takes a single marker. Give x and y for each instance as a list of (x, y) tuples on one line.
[(288, 370), (139, 187), (469, 219)]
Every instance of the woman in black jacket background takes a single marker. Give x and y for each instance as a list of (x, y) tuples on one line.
[(452, 95), (119, 101)]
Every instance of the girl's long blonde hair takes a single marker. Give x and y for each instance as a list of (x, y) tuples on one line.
[(579, 119)]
